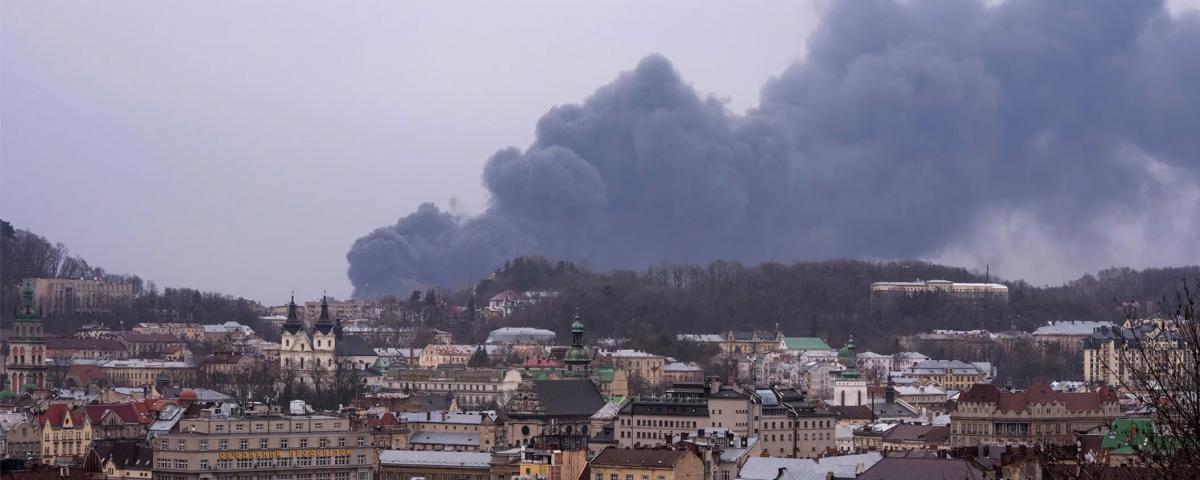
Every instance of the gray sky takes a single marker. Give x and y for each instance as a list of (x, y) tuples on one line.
[(242, 147)]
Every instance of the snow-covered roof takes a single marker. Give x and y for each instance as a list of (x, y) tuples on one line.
[(682, 367), (1071, 328), (428, 458), (699, 337)]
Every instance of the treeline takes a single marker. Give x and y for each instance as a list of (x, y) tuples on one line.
[(828, 299), (24, 254)]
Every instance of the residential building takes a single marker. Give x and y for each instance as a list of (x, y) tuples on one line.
[(125, 460), (648, 420), (970, 292), (137, 372), (151, 345), (1069, 336), (647, 367), (226, 333), (69, 295), (300, 446), (450, 431), (788, 426), (410, 464), (740, 342), (1038, 415), (344, 309), (25, 363), (682, 372), (1113, 355), (66, 435), (63, 350), (20, 436), (949, 374), (482, 387), (187, 331), (113, 422), (905, 436), (521, 335), (645, 463)]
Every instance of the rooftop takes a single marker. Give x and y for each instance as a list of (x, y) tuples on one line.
[(427, 458)]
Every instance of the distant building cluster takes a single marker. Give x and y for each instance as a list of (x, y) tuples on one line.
[(342, 396)]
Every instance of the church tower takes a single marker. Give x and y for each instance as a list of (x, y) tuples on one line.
[(26, 361), (324, 337), (849, 389), (578, 357)]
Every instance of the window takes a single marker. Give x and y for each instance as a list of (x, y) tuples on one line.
[(180, 464), (163, 445), (204, 445), (362, 441), (262, 443), (285, 461), (283, 443), (204, 464), (323, 442), (179, 445), (239, 427), (304, 443), (362, 459), (258, 427), (243, 444), (341, 441), (220, 427)]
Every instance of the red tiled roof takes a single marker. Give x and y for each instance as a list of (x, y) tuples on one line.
[(1036, 394), (85, 374), (127, 412), (57, 413), (638, 457)]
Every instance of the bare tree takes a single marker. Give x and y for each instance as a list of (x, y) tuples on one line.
[(1155, 361)]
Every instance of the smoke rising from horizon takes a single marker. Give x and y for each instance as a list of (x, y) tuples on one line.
[(1048, 137)]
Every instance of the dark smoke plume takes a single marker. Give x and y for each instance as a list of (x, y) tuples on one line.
[(1037, 134)]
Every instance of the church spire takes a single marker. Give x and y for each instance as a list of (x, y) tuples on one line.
[(292, 324), (324, 323)]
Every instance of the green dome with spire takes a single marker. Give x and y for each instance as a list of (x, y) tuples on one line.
[(577, 355)]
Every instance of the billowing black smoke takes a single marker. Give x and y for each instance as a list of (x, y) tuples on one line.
[(912, 129)]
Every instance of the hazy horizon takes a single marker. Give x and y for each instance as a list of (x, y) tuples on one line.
[(244, 148)]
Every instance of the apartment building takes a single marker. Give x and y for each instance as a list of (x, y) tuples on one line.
[(186, 331), (140, 372), (685, 408), (637, 364), (472, 388), (297, 447), (1037, 416), (1112, 354), (788, 426), (450, 431), (646, 463), (66, 435), (69, 295)]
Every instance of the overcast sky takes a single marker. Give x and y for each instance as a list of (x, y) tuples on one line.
[(243, 146)]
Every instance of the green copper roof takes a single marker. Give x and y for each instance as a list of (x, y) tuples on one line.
[(804, 343), (1128, 436)]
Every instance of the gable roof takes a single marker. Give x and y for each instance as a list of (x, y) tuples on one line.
[(804, 343), (56, 416), (1036, 394), (928, 434), (902, 468), (126, 455), (127, 412), (353, 346), (638, 457), (569, 397)]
